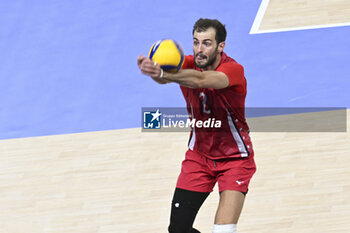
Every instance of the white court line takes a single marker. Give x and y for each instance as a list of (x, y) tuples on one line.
[(260, 15), (302, 28)]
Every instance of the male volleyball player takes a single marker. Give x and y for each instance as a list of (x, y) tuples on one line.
[(214, 86)]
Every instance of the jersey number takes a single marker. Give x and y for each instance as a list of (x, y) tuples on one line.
[(204, 99)]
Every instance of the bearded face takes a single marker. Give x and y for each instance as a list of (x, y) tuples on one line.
[(204, 61), (206, 49)]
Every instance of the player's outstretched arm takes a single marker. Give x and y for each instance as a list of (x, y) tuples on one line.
[(186, 77), (151, 69), (196, 79)]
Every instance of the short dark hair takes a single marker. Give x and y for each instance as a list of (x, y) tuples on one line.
[(203, 24)]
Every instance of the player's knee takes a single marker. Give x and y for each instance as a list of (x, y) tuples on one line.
[(195, 231), (185, 206), (182, 217), (192, 230), (177, 229)]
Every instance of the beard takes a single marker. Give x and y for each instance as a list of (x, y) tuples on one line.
[(210, 59)]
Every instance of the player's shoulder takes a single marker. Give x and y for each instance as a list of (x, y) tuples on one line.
[(227, 59), (228, 63)]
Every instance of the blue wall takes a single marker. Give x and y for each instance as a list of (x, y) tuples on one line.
[(70, 66)]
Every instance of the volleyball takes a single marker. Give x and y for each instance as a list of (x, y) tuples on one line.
[(168, 54)]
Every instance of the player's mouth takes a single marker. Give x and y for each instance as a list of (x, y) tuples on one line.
[(200, 57)]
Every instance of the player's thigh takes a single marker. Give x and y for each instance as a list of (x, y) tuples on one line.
[(235, 174), (195, 174), (233, 182)]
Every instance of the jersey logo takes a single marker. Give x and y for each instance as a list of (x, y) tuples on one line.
[(239, 182)]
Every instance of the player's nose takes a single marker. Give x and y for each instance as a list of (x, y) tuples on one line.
[(200, 47)]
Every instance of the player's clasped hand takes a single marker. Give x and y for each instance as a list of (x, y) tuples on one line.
[(148, 67)]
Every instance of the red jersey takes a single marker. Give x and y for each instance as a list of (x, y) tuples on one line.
[(227, 105)]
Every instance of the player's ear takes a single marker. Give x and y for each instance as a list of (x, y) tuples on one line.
[(221, 46)]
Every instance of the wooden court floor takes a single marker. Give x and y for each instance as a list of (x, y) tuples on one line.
[(284, 14), (122, 180)]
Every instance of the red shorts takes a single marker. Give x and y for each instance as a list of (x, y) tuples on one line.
[(198, 173)]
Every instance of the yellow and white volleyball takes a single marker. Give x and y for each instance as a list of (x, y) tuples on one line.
[(168, 54)]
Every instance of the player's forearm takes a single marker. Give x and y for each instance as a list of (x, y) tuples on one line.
[(196, 79), (161, 80), (188, 77)]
